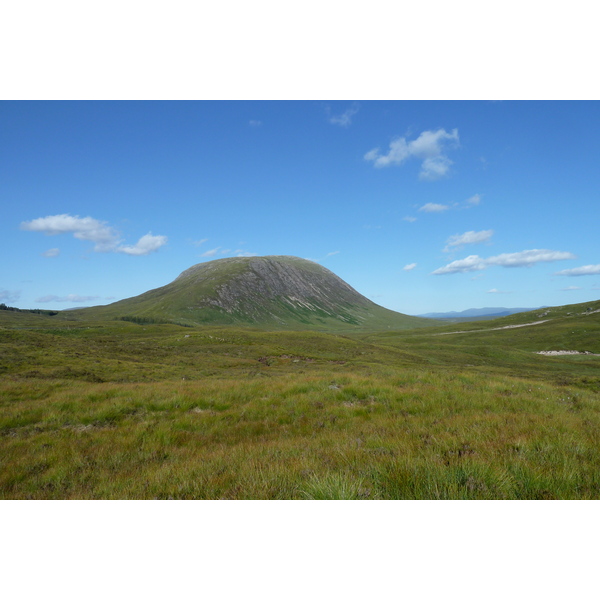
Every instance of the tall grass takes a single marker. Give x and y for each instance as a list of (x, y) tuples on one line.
[(124, 410), (420, 434)]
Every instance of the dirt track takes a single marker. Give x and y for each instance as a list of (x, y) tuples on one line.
[(494, 328)]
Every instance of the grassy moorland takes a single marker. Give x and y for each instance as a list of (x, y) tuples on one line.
[(115, 409)]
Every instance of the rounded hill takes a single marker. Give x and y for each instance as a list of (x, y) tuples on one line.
[(279, 292)]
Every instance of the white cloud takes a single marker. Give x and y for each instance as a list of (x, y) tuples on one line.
[(86, 228), (409, 219), (69, 298), (579, 271), (212, 252), (9, 296), (471, 263), (432, 207), (51, 253), (474, 200), (145, 245), (332, 253), (430, 143), (435, 167), (455, 242), (345, 119), (495, 291), (409, 267), (254, 123), (526, 258), (430, 147), (200, 242), (105, 238), (570, 288), (245, 253), (397, 154)]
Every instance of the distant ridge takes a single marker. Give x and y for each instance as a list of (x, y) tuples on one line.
[(479, 312), (273, 292)]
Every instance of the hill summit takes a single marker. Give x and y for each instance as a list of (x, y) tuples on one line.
[(281, 292)]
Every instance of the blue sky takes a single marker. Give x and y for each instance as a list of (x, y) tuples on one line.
[(420, 205)]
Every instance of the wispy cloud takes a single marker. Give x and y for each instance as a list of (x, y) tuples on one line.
[(409, 267), (200, 242), (526, 258), (495, 291), (218, 250), (145, 245), (324, 257), (9, 296), (254, 123), (345, 119), (104, 237), (571, 288), (432, 207), (51, 253), (580, 271), (69, 298), (456, 242), (430, 148), (409, 219)]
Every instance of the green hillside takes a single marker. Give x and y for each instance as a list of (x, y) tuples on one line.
[(274, 292), (514, 344)]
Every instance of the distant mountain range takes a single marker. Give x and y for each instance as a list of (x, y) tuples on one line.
[(477, 313)]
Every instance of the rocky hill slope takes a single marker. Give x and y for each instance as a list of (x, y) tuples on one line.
[(281, 292)]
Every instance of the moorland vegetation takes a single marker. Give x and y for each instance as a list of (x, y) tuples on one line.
[(94, 406)]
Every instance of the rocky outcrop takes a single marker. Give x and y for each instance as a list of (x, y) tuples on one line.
[(299, 284)]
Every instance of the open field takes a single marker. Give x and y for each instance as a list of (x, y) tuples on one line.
[(114, 409)]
